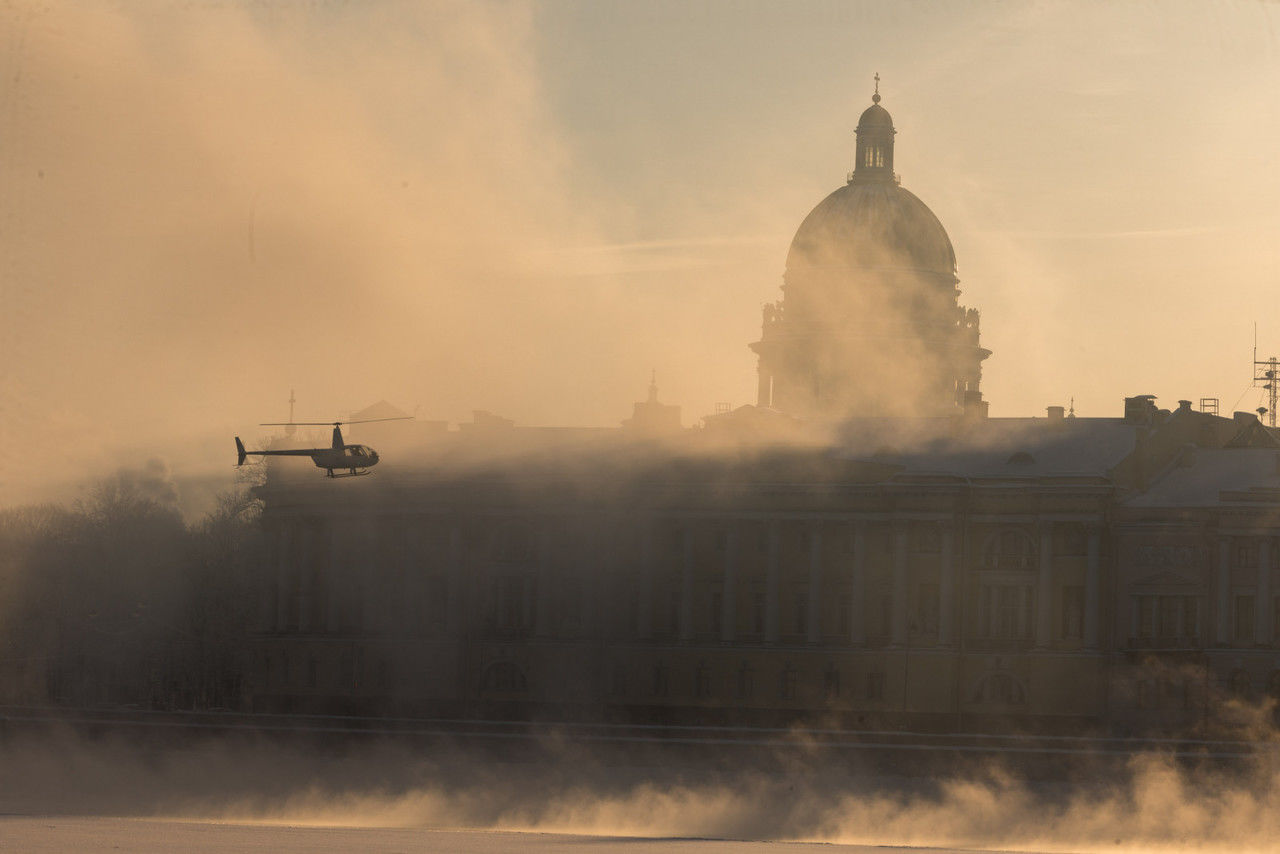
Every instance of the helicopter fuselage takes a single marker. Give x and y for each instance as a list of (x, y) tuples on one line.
[(348, 457), (339, 456)]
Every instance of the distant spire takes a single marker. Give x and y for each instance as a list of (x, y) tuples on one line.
[(875, 99), (653, 386), (1071, 412)]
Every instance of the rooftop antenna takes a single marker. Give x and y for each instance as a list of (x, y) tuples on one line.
[(1071, 408), (1266, 373)]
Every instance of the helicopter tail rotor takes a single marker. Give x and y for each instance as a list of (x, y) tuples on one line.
[(240, 452)]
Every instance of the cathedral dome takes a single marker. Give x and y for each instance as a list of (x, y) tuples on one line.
[(875, 116), (872, 226)]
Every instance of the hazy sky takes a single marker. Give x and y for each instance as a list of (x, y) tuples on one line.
[(526, 207)]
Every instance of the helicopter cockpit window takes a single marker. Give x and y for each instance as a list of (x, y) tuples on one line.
[(357, 450)]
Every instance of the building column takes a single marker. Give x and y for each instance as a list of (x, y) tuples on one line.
[(1093, 589), (814, 604), (729, 596), (858, 587), (286, 569), (898, 625), (1224, 590), (771, 583), (336, 598), (1044, 589), (308, 547), (598, 568), (1262, 599), (764, 388), (456, 598), (947, 588), (686, 585), (544, 593), (646, 576)]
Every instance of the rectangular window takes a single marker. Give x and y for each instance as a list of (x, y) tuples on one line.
[(1007, 601), (831, 683), (883, 614), (757, 614), (1073, 611), (875, 685), (1244, 620), (746, 682), (927, 608), (717, 612), (802, 611), (1170, 616), (659, 680), (787, 684), (1004, 611), (702, 682), (1190, 617), (1246, 555), (1146, 616)]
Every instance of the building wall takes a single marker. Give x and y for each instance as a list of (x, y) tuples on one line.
[(934, 605)]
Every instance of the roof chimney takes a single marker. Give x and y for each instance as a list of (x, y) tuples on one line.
[(1184, 406), (1140, 408)]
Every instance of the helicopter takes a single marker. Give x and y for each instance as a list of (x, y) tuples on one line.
[(357, 458)]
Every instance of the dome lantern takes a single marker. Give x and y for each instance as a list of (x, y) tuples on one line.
[(874, 154)]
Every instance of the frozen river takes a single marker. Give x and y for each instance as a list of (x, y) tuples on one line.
[(156, 836)]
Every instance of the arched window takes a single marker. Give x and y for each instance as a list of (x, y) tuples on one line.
[(1009, 549), (504, 676)]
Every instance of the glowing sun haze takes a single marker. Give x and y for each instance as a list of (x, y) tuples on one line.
[(524, 207)]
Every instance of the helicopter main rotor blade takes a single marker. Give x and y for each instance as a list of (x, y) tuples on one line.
[(331, 423)]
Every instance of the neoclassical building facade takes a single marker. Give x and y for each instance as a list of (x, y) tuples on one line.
[(848, 551)]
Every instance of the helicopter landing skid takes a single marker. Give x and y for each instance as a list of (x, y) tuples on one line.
[(349, 474)]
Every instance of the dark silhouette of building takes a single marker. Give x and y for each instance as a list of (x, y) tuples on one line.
[(869, 323), (864, 544)]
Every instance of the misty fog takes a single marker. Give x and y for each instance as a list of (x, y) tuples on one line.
[(525, 207), (214, 215)]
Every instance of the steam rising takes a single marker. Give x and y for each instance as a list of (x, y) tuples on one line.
[(1151, 804)]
